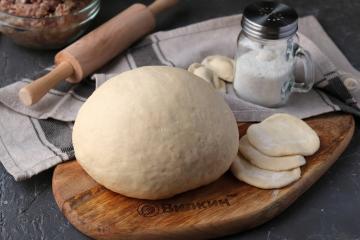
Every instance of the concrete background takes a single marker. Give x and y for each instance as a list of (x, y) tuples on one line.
[(329, 210)]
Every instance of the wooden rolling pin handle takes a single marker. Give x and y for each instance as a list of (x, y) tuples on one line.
[(160, 5), (34, 91)]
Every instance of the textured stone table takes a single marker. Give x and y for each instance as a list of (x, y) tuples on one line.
[(329, 210)]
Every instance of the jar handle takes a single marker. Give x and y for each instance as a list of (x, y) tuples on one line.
[(308, 69)]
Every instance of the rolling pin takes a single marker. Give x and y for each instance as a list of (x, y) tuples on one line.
[(93, 50)]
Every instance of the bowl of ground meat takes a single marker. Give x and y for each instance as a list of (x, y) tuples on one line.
[(46, 24)]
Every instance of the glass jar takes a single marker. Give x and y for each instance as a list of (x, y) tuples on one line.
[(267, 52)]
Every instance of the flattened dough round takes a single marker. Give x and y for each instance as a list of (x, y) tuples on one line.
[(262, 178), (154, 132), (282, 135), (263, 161)]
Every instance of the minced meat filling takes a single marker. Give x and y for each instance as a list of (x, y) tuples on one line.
[(41, 8)]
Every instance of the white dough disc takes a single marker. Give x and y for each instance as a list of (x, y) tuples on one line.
[(282, 135), (263, 161), (155, 132), (221, 65), (262, 178)]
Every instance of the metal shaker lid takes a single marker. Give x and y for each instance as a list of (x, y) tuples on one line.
[(269, 20)]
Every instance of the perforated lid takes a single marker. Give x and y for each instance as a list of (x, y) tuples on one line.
[(269, 20)]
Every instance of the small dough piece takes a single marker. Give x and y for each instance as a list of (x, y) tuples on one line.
[(208, 75), (351, 84), (282, 135), (262, 178), (263, 161), (222, 66), (204, 73), (220, 85)]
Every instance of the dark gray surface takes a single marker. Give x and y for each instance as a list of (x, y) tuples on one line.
[(329, 210)]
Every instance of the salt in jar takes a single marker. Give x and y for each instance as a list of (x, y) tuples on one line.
[(267, 53)]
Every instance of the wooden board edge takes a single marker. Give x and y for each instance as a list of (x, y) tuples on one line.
[(234, 226), (57, 196)]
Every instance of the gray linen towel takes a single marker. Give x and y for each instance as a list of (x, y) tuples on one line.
[(37, 138)]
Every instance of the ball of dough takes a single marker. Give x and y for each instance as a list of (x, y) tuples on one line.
[(154, 132)]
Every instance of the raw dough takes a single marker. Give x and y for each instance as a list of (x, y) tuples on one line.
[(221, 65), (351, 84), (262, 178), (208, 75), (203, 72), (220, 85), (282, 135), (154, 132), (267, 162)]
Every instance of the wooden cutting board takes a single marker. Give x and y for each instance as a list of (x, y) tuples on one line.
[(223, 207)]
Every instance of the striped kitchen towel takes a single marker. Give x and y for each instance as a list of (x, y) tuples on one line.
[(37, 138)]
